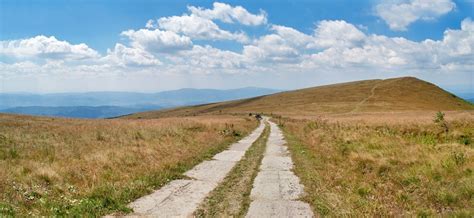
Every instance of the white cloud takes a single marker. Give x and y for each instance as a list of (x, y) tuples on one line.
[(455, 50), (198, 28), (46, 47), (272, 48), (330, 33), (199, 24), (151, 24), (207, 59), (289, 45), (125, 56), (399, 14), (460, 42), (229, 14), (293, 37), (157, 40)]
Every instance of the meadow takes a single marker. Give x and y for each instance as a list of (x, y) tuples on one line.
[(385, 164), (57, 166)]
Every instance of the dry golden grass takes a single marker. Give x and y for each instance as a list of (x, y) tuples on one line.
[(394, 117), (385, 164), (398, 94), (66, 166)]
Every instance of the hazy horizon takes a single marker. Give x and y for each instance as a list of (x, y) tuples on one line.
[(453, 89)]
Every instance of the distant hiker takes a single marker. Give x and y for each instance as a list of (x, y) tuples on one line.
[(258, 117)]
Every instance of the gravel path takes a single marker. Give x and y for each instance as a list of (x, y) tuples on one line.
[(180, 198), (276, 188)]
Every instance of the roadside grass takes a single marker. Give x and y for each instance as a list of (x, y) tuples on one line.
[(69, 167), (232, 197), (389, 169)]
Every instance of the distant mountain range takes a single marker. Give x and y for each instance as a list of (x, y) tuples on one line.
[(77, 111), (111, 104)]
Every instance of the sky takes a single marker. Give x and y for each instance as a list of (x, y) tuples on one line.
[(149, 46)]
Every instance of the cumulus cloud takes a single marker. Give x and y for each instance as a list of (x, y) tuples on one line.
[(455, 50), (285, 45), (290, 45), (46, 47), (293, 37), (460, 42), (337, 44), (229, 14), (330, 33), (198, 28), (205, 59), (151, 24), (127, 56), (399, 14), (157, 40), (199, 23)]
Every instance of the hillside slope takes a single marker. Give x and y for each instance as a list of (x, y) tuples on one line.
[(397, 94)]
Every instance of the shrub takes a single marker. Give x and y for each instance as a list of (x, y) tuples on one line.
[(439, 119), (13, 153), (139, 136), (465, 140), (100, 136)]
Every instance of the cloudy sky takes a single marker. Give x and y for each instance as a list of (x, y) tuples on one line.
[(147, 46)]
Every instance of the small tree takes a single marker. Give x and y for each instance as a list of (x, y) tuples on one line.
[(439, 119)]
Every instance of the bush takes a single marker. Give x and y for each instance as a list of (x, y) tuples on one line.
[(439, 119), (465, 140)]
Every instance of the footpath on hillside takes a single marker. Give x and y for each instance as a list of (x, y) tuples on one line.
[(276, 188)]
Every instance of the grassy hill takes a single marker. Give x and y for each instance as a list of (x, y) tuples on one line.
[(397, 94)]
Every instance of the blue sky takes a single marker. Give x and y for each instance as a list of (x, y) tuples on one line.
[(100, 26)]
